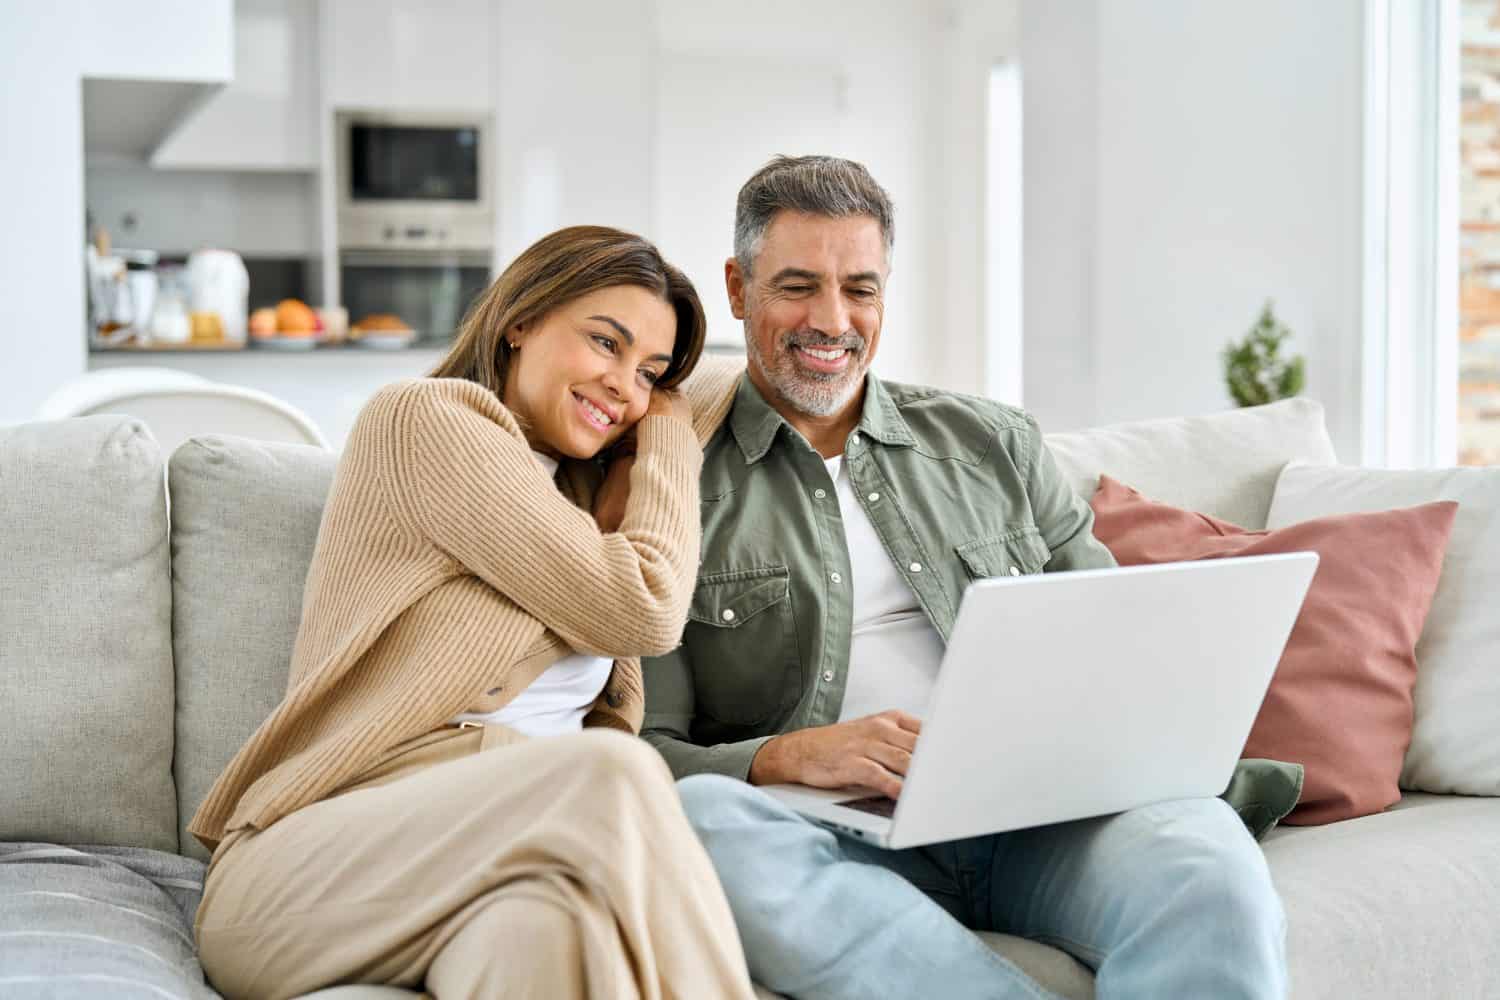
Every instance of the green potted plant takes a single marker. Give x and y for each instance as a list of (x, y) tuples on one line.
[(1256, 371)]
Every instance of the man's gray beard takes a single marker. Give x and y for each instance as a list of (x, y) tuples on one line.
[(810, 393)]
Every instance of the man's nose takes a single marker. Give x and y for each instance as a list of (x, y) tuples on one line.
[(829, 314)]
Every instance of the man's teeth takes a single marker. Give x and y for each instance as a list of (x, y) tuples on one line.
[(596, 413), (831, 355)]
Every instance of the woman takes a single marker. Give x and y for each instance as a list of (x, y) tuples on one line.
[(459, 602)]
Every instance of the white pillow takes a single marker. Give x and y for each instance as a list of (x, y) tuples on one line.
[(1223, 464), (1455, 745)]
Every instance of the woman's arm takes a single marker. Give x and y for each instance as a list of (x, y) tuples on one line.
[(464, 478)]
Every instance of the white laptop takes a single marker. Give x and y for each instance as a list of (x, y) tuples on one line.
[(1068, 695)]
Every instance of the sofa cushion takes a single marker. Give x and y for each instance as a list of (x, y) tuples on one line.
[(1340, 703), (1455, 742), (98, 922), (245, 518), (1223, 464), (1399, 904), (86, 617)]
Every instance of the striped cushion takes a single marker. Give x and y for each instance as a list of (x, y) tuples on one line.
[(98, 921)]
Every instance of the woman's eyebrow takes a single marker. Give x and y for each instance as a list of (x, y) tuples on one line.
[(630, 337)]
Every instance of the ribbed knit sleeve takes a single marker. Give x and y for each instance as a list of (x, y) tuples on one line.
[(464, 478)]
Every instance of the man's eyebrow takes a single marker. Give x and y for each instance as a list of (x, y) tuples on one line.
[(870, 276), (629, 337), (799, 273)]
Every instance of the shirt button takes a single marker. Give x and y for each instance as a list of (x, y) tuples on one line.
[(873, 497), (915, 567), (835, 578), (820, 493), (728, 615), (1015, 571), (828, 676)]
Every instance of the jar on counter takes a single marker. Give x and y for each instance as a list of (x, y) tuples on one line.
[(169, 323)]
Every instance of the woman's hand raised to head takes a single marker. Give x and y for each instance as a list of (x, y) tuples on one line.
[(667, 403)]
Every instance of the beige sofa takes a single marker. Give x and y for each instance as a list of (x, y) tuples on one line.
[(135, 659)]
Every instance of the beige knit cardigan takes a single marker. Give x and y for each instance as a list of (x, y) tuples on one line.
[(450, 571)]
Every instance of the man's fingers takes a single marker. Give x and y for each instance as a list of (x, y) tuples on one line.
[(910, 723), (871, 774), (892, 758)]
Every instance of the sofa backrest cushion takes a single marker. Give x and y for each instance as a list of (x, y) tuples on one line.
[(85, 636), (245, 519), (1223, 464)]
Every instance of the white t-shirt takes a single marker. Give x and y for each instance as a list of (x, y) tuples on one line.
[(894, 653), (561, 696)]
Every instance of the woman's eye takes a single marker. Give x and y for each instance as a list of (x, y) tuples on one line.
[(605, 342), (650, 377)]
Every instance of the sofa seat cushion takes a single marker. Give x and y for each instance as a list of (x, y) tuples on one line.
[(98, 921), (85, 635), (1399, 904)]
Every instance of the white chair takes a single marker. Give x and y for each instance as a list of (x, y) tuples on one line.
[(177, 405)]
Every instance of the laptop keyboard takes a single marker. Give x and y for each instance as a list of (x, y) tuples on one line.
[(877, 804)]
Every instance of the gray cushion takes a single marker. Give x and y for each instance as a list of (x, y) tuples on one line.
[(85, 616), (245, 518), (1224, 464), (1399, 904), (98, 922)]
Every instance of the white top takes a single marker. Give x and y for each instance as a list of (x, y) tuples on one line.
[(894, 653), (561, 696)]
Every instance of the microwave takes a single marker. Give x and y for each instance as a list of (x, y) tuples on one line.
[(414, 181)]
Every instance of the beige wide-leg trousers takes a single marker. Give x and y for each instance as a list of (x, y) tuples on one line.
[(553, 868)]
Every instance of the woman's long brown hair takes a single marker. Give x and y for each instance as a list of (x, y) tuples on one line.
[(557, 269)]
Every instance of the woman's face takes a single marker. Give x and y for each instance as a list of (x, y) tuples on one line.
[(581, 376)]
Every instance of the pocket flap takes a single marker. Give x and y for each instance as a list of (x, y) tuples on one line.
[(728, 600), (1011, 553)]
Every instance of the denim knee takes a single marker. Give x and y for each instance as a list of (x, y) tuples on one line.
[(713, 801)]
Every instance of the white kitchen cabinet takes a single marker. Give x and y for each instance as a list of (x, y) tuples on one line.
[(409, 55), (267, 118)]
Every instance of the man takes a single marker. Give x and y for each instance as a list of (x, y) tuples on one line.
[(842, 518)]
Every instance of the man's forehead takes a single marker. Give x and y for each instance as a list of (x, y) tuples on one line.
[(821, 245)]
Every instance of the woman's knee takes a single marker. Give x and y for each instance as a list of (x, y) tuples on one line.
[(606, 758)]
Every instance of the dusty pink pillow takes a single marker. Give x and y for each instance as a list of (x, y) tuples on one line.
[(1340, 703)]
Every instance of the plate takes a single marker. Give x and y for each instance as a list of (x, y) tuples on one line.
[(284, 343), (386, 340)]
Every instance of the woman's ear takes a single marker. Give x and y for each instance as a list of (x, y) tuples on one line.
[(515, 335)]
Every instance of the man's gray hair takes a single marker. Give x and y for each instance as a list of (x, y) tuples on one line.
[(817, 185)]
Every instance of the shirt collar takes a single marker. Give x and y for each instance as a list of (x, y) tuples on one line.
[(754, 422)]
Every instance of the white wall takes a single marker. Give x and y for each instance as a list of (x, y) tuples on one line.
[(45, 50), (1226, 169)]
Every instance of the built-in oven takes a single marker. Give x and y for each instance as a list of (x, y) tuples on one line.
[(414, 181), (429, 291)]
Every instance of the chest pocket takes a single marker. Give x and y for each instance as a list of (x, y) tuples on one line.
[(1017, 552), (742, 639)]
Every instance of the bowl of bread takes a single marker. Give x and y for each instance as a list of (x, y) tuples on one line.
[(382, 332)]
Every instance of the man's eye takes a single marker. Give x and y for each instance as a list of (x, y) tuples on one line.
[(796, 289), (862, 293), (605, 342)]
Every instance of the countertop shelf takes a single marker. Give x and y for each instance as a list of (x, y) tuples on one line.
[(318, 349)]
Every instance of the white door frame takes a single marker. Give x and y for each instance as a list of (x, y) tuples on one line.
[(1410, 291)]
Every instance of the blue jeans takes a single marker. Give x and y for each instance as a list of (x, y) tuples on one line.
[(1170, 900)]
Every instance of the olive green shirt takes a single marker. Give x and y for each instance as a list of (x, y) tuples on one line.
[(957, 487)]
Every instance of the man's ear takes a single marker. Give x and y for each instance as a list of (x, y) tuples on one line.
[(735, 284)]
